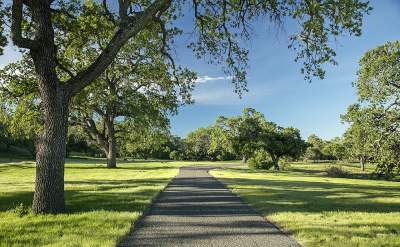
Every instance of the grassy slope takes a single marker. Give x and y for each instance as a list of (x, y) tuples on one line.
[(102, 203), (322, 211)]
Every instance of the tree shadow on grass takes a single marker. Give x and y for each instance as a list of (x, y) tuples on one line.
[(303, 196), (109, 195), (335, 213)]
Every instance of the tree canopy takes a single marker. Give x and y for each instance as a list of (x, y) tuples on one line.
[(50, 30), (375, 120)]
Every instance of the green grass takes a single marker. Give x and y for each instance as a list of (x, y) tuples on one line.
[(319, 210), (101, 203)]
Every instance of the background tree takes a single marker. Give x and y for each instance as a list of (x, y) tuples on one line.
[(315, 148), (140, 83), (378, 88), (221, 146), (243, 131), (361, 134), (20, 105), (77, 144), (49, 29), (251, 132), (335, 149), (197, 144), (281, 142), (145, 140)]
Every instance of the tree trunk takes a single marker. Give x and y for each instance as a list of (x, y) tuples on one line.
[(362, 164), (244, 159), (275, 160), (112, 146), (51, 150)]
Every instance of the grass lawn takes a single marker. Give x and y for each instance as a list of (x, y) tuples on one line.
[(101, 203), (319, 210)]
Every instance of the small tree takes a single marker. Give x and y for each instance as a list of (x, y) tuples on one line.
[(335, 148), (315, 148), (243, 131), (361, 135), (281, 142)]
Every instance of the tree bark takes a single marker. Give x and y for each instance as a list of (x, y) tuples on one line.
[(112, 145), (49, 187), (50, 157), (51, 150)]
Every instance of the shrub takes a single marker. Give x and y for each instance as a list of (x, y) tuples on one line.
[(21, 210), (261, 160), (285, 166), (337, 172), (175, 155)]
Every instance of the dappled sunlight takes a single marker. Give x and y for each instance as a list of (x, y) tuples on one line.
[(322, 211), (101, 203)]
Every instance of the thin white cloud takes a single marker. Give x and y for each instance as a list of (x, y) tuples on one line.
[(226, 96), (206, 78)]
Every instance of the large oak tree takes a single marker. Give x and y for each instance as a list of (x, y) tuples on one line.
[(47, 29)]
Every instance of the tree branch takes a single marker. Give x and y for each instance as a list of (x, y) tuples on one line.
[(135, 25), (16, 27)]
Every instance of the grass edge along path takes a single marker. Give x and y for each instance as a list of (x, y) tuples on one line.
[(319, 210), (101, 203)]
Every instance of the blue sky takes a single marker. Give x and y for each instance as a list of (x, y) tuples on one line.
[(276, 87)]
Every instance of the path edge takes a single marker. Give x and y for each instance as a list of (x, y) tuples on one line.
[(287, 233), (139, 220)]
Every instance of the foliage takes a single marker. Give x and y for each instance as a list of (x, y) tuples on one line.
[(281, 142), (19, 105), (77, 144), (315, 147), (251, 132), (197, 144), (261, 160), (243, 131), (337, 172), (51, 30), (21, 210), (376, 121), (335, 149), (361, 136), (146, 140)]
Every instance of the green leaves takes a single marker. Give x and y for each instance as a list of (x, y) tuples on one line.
[(251, 132), (222, 27), (379, 75), (375, 122)]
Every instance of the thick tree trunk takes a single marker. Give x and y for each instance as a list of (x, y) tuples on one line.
[(112, 146), (50, 157)]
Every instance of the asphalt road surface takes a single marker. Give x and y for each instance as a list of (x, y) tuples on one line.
[(197, 210)]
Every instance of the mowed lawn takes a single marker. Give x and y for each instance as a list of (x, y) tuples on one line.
[(101, 203), (320, 210)]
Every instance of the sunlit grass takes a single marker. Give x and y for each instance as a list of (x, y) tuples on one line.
[(101, 203), (319, 210)]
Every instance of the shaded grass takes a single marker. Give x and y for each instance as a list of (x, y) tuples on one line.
[(101, 203), (322, 211)]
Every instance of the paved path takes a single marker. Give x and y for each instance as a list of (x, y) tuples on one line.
[(197, 210)]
